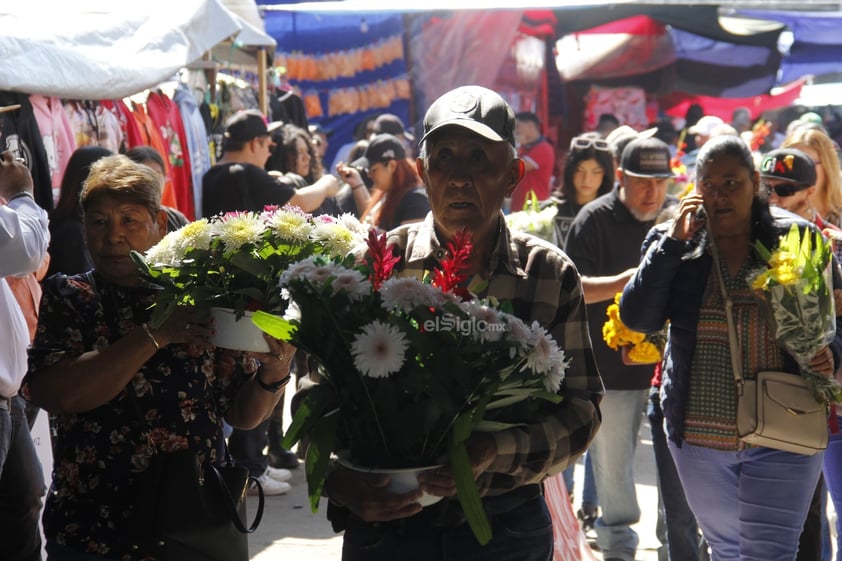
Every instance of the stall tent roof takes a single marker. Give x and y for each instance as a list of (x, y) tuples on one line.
[(98, 49)]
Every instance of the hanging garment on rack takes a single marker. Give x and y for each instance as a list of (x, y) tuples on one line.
[(198, 146), (20, 135), (56, 134), (166, 115), (128, 124), (93, 125), (287, 106), (151, 137)]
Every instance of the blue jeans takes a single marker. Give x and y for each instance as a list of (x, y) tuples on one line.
[(246, 448), (522, 534), (21, 487), (833, 479), (612, 454), (680, 531), (589, 497), (751, 504)]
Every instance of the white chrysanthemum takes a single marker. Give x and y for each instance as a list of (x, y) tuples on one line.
[(166, 251), (353, 224), (486, 322), (337, 240), (352, 283), (544, 351), (324, 271), (379, 350), (239, 228), (196, 235), (289, 225), (516, 330), (293, 312), (405, 294), (553, 378), (297, 271)]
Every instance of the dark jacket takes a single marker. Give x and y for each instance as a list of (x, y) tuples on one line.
[(669, 285)]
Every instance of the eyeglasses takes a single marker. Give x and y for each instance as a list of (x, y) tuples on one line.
[(782, 189), (583, 143)]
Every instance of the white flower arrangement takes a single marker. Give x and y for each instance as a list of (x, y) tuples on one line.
[(234, 260), (409, 368)]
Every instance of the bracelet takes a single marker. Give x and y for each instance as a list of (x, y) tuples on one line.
[(151, 337), (274, 387)]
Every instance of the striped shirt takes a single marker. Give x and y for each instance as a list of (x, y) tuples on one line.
[(712, 404), (542, 285)]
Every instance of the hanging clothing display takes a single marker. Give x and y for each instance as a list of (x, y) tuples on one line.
[(20, 135), (56, 134), (151, 137), (165, 114), (198, 143)]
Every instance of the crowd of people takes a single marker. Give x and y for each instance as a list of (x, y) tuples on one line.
[(119, 391)]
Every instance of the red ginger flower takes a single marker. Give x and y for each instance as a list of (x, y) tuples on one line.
[(380, 259), (450, 276)]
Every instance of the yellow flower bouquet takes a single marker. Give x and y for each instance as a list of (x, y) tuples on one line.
[(640, 348), (797, 288)]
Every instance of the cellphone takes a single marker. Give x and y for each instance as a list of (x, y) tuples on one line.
[(701, 214)]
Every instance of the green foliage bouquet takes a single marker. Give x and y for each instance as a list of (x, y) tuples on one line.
[(234, 260), (410, 369), (796, 286)]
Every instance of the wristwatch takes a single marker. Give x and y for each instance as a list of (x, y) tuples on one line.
[(273, 387)]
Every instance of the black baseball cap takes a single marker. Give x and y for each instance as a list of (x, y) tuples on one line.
[(475, 108), (247, 124), (381, 148), (646, 157), (387, 123), (789, 164)]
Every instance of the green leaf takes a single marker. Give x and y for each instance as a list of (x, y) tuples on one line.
[(276, 326), (468, 493), (318, 403), (318, 458)]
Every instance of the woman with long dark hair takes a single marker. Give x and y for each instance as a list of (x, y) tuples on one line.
[(68, 253), (588, 174), (750, 501)]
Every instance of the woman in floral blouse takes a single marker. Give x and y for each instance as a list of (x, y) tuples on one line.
[(93, 342)]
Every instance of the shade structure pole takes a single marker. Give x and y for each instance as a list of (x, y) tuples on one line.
[(262, 94)]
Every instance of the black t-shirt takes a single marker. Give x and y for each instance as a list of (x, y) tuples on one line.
[(605, 239), (413, 206), (237, 186)]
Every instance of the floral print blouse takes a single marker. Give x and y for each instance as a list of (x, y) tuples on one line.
[(182, 395)]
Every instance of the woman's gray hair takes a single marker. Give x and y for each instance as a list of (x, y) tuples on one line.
[(119, 177)]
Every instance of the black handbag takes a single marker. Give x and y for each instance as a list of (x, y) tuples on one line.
[(188, 510)]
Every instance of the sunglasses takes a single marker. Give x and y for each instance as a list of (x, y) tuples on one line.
[(583, 143), (782, 189)]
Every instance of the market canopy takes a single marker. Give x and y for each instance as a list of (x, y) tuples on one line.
[(96, 49)]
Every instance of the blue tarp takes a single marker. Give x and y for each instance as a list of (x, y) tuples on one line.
[(320, 33)]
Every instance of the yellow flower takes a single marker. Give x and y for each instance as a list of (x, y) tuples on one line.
[(645, 352)]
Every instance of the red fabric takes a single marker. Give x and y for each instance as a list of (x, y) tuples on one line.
[(537, 180), (569, 543), (636, 25), (675, 105), (151, 137), (165, 113)]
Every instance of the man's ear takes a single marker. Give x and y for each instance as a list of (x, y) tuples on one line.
[(518, 170), (161, 221), (419, 167)]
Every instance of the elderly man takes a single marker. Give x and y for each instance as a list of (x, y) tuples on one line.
[(604, 243), (469, 166), (23, 244)]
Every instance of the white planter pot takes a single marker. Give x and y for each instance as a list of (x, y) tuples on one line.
[(240, 335), (400, 480)]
